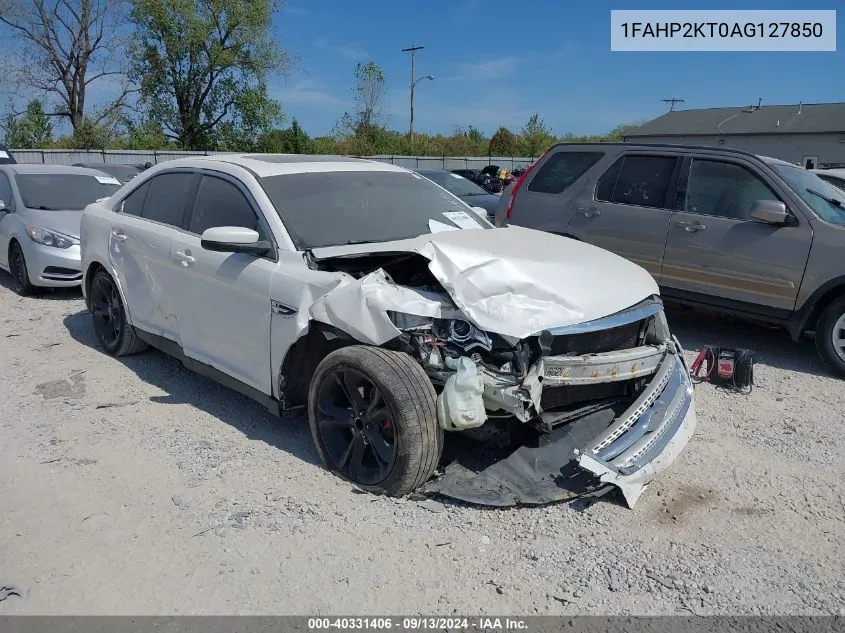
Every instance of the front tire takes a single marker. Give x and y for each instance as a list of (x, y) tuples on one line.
[(20, 273), (373, 418), (830, 336), (116, 336)]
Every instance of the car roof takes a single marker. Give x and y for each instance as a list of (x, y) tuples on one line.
[(265, 165), (36, 168), (677, 146)]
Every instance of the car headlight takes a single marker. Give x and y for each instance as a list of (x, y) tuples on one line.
[(50, 238)]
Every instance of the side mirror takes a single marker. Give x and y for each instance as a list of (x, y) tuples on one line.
[(234, 239), (480, 211), (2, 205), (770, 212)]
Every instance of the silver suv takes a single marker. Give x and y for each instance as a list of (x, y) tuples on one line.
[(719, 228)]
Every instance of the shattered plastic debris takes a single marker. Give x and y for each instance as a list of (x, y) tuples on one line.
[(532, 475), (461, 405)]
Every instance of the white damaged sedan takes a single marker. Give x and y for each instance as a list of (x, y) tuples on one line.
[(395, 314)]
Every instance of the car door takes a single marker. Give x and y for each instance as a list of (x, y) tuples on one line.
[(630, 208), (224, 298), (7, 197), (716, 251), (139, 246)]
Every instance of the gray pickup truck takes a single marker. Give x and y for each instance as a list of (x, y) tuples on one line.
[(718, 228)]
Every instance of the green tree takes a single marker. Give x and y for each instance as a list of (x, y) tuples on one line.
[(202, 64), (535, 137), (32, 129), (290, 141), (503, 143), (146, 135), (364, 131)]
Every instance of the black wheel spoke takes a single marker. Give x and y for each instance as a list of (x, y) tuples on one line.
[(356, 458), (376, 403), (381, 449), (349, 382)]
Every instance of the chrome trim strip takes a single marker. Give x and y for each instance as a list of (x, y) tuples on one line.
[(647, 397), (589, 369), (631, 315)]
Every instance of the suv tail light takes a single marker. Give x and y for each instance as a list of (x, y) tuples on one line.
[(519, 182)]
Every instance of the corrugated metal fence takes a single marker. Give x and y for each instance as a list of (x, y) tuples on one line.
[(68, 157)]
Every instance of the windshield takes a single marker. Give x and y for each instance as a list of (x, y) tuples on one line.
[(66, 192), (353, 207), (453, 183), (826, 200)]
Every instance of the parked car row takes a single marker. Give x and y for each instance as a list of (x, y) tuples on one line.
[(387, 308), (723, 229)]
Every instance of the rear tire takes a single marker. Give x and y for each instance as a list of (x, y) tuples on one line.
[(373, 418), (116, 336), (830, 335), (20, 273)]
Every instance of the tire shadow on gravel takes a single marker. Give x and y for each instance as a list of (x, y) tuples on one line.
[(183, 386), (771, 345), (43, 294)]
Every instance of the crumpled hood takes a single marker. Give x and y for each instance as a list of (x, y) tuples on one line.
[(512, 281), (67, 222)]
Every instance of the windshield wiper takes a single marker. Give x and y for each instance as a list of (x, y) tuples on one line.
[(351, 242), (42, 207), (833, 201)]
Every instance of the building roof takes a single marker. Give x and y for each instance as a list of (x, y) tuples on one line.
[(808, 118)]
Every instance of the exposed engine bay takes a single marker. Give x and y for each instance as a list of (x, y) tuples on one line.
[(605, 399)]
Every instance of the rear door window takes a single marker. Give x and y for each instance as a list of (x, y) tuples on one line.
[(133, 204), (641, 181), (167, 196), (561, 170)]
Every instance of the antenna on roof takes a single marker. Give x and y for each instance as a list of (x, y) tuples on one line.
[(672, 103)]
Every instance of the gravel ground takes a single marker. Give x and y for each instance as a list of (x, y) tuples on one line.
[(136, 487)]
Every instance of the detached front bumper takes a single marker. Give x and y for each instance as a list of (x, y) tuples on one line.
[(592, 452), (649, 436)]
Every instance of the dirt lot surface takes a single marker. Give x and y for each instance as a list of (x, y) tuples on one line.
[(135, 487)]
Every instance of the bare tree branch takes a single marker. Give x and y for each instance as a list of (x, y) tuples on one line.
[(66, 45)]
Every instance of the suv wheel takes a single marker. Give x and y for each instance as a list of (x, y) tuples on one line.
[(830, 335), (114, 332), (373, 419)]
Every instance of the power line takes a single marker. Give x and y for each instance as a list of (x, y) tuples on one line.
[(672, 103)]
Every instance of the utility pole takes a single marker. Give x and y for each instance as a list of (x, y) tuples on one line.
[(672, 103), (413, 51)]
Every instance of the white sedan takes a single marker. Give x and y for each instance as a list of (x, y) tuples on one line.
[(393, 313)]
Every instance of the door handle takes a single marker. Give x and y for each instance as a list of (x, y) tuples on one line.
[(186, 259), (588, 212), (119, 235), (690, 227)]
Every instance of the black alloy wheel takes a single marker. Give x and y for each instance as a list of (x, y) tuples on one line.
[(356, 426)]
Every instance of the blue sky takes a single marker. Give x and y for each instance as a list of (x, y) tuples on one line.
[(497, 63)]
